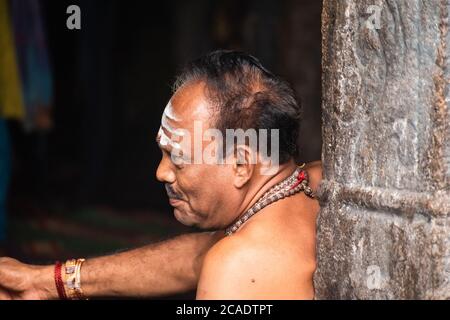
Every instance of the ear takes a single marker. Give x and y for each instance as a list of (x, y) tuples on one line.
[(244, 165)]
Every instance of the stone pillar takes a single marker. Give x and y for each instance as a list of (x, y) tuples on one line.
[(384, 231)]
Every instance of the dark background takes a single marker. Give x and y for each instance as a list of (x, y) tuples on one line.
[(88, 187)]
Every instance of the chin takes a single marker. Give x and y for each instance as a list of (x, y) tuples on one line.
[(192, 220), (186, 219)]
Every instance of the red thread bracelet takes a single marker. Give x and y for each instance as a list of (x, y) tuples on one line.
[(59, 282)]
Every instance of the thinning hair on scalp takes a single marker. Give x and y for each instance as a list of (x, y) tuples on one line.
[(245, 95)]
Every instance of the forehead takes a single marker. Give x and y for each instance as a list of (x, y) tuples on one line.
[(186, 109), (187, 105)]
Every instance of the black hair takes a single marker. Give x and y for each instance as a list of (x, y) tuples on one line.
[(245, 95)]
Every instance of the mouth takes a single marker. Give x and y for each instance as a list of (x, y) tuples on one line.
[(175, 202), (174, 198)]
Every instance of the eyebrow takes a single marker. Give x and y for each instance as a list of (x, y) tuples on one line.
[(160, 146)]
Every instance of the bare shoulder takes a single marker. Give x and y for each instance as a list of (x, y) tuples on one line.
[(268, 258), (315, 170), (242, 267)]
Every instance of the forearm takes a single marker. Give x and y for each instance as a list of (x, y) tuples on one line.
[(165, 268)]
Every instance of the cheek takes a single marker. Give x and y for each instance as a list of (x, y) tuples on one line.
[(190, 186), (202, 185), (186, 182)]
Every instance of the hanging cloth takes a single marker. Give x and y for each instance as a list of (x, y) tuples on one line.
[(34, 65), (11, 101)]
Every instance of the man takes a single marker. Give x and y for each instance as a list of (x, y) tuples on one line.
[(259, 241)]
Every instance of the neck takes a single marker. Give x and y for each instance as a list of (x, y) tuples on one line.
[(264, 184)]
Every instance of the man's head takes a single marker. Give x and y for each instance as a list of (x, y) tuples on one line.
[(221, 91)]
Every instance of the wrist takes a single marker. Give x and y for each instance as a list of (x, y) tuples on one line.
[(44, 282)]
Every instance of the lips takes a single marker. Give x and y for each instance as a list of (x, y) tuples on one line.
[(174, 202)]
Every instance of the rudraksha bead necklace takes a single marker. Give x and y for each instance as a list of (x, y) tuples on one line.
[(295, 183)]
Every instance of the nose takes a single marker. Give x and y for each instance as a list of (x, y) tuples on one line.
[(165, 173)]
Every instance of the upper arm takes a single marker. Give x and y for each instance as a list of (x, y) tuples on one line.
[(252, 272)]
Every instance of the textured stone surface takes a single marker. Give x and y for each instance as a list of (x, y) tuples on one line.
[(384, 228)]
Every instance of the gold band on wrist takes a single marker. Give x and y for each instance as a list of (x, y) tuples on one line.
[(72, 279)]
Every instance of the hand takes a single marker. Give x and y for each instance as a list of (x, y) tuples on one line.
[(19, 281)]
